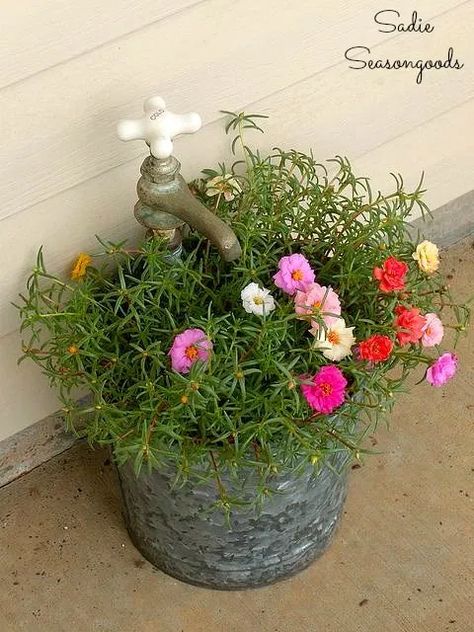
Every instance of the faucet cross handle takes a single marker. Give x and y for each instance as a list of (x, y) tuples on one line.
[(158, 127)]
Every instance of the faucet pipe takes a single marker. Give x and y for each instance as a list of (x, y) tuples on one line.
[(166, 203)]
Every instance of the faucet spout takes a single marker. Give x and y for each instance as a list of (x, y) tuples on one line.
[(184, 205), (165, 203)]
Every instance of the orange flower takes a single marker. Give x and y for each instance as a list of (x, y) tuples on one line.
[(80, 266)]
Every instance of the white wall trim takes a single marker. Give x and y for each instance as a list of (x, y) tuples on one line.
[(451, 222), (32, 446)]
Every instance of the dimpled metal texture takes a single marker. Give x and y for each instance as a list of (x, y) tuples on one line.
[(179, 532)]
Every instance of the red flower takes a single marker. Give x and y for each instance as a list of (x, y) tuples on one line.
[(409, 323), (377, 348), (391, 275)]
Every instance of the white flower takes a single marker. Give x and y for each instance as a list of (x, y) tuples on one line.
[(225, 185), (336, 341), (257, 300)]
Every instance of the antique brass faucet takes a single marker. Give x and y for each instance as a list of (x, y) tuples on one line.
[(165, 203)]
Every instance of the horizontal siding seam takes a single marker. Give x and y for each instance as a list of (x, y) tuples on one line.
[(143, 154), (249, 105), (87, 51), (353, 158), (417, 126), (182, 10)]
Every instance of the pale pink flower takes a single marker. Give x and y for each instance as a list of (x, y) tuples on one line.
[(442, 370), (326, 390), (187, 348), (319, 299), (225, 185), (433, 331), (294, 273)]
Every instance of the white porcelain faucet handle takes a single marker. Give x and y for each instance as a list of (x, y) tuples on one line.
[(158, 127)]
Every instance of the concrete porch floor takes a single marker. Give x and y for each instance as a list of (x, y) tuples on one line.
[(403, 559)]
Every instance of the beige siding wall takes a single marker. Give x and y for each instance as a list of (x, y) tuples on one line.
[(69, 70)]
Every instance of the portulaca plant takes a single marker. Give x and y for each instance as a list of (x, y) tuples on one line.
[(273, 362)]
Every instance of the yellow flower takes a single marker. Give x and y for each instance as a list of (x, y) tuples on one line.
[(72, 349), (427, 256), (80, 266)]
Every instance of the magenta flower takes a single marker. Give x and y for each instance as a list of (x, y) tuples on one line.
[(326, 390), (187, 348), (319, 299), (442, 370), (433, 331), (294, 273)]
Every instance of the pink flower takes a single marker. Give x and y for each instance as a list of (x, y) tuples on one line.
[(187, 348), (318, 299), (442, 370), (327, 389), (294, 273), (433, 331)]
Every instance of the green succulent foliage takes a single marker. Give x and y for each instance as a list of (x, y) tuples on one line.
[(109, 333)]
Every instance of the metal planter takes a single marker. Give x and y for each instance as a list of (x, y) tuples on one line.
[(175, 529)]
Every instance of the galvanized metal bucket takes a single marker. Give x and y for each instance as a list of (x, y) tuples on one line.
[(175, 529)]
